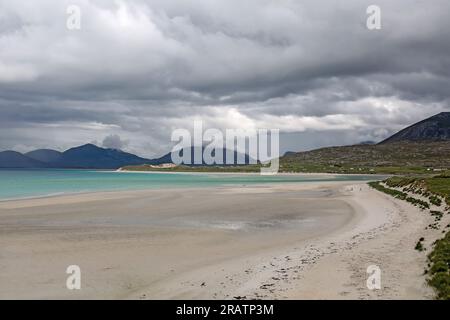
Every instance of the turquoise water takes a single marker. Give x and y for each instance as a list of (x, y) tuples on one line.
[(34, 183)]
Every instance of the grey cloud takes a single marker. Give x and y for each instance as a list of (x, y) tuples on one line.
[(139, 69), (114, 141)]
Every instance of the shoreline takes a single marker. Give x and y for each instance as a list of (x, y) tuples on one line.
[(326, 174), (102, 195), (70, 193), (318, 252)]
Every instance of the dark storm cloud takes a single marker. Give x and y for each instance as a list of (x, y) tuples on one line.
[(138, 69)]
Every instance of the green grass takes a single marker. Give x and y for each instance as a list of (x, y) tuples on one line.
[(440, 265), (399, 182), (395, 193), (435, 200), (440, 186), (392, 158), (433, 187), (400, 195), (418, 203)]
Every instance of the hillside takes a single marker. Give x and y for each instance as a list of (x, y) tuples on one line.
[(419, 148), (435, 128), (12, 159), (392, 157), (167, 158), (44, 155), (89, 156)]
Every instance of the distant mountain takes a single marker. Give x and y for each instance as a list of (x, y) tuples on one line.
[(435, 128), (167, 158), (368, 142), (87, 156), (44, 155), (289, 153), (13, 159), (90, 156)]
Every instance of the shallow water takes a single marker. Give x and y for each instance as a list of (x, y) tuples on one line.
[(38, 182)]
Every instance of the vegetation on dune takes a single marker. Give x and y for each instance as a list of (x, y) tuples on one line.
[(395, 193), (440, 266), (437, 215), (440, 185), (419, 203), (399, 182), (399, 195), (435, 200), (433, 188), (419, 246)]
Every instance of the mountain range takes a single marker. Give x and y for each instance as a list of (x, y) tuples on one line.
[(88, 156), (407, 144)]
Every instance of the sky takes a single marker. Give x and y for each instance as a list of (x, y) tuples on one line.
[(137, 70)]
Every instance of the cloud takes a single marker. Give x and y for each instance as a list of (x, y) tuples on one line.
[(113, 141), (140, 69)]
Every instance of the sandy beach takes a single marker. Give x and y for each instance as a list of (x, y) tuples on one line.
[(284, 241)]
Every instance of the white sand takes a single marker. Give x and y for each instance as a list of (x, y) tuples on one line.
[(296, 241)]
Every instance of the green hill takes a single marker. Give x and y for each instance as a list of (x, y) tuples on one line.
[(396, 157)]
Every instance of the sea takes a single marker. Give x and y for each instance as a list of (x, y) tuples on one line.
[(31, 183)]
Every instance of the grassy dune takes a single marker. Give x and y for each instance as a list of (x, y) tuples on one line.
[(434, 189)]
